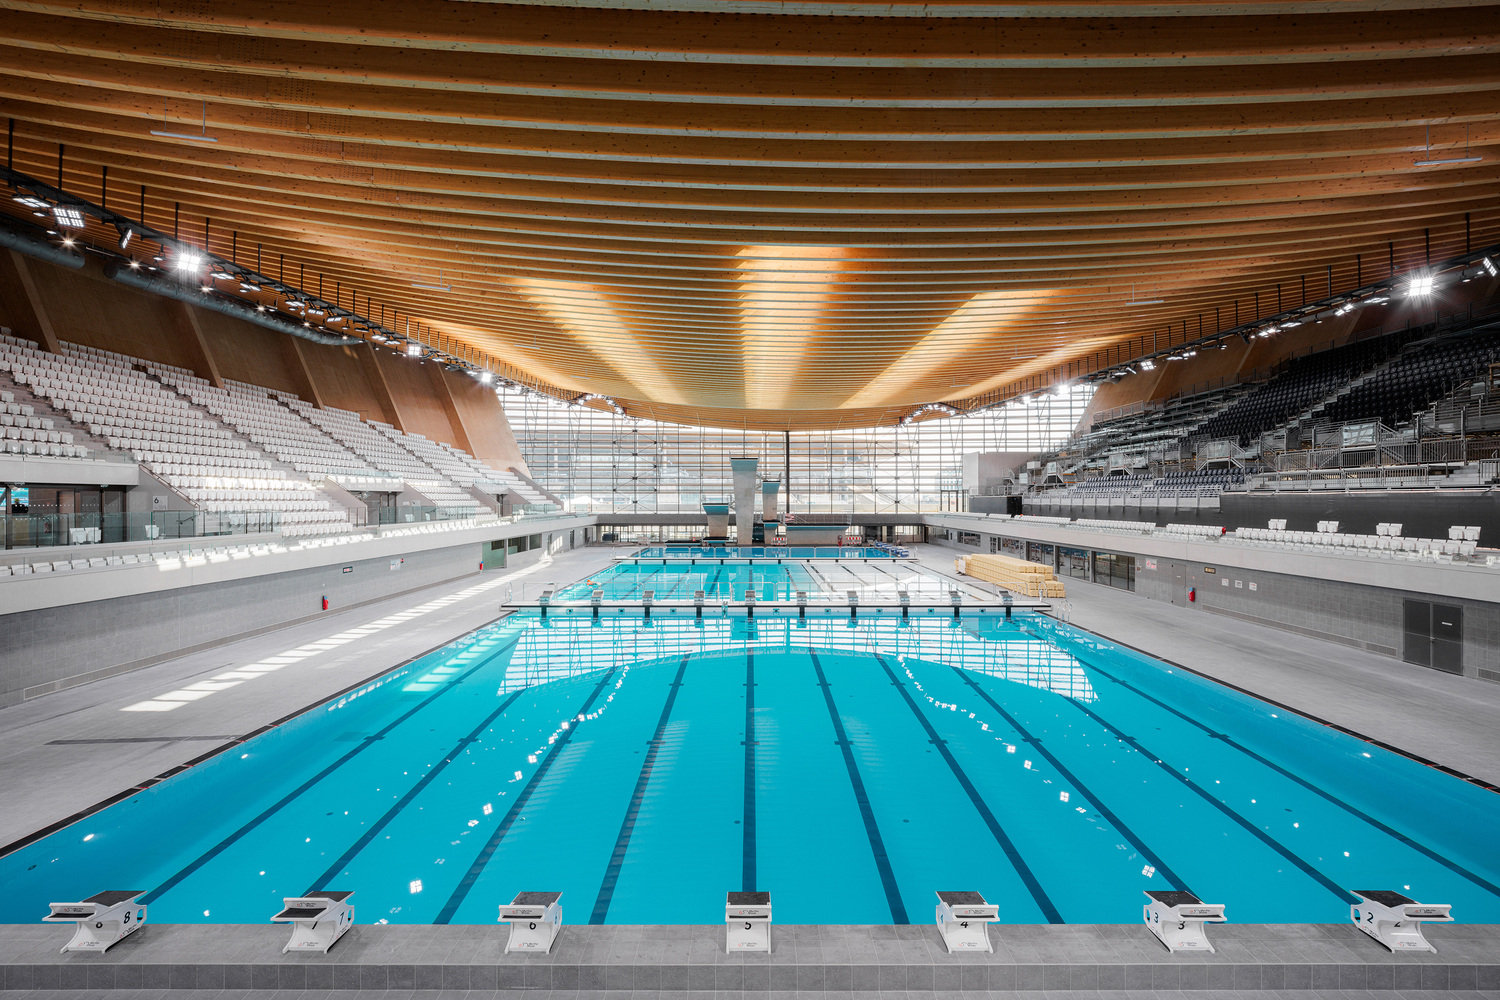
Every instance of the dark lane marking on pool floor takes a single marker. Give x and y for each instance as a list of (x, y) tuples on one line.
[(1028, 877), (747, 849), (861, 796), (1353, 810), (292, 796), (461, 891), (458, 750), (632, 811), (1156, 862), (1223, 807)]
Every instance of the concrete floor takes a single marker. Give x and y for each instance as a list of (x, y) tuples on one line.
[(1452, 720), (740, 995)]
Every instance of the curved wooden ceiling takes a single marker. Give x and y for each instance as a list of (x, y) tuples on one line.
[(784, 214)]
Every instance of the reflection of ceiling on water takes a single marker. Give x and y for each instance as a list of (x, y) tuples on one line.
[(822, 579), (567, 647)]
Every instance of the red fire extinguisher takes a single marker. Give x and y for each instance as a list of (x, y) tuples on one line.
[(325, 602), (1192, 596)]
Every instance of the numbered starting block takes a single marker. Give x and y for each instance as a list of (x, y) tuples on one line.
[(103, 919), (535, 919), (963, 918), (1177, 918), (1396, 920), (747, 921), (318, 920)]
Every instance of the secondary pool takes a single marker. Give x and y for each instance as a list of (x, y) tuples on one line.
[(829, 579), (851, 768), (764, 552)]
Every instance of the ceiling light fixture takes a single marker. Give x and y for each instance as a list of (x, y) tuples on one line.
[(187, 260), (598, 397), (68, 216), (29, 201), (926, 409), (1430, 162), (440, 287), (1420, 285), (1142, 302), (201, 137)]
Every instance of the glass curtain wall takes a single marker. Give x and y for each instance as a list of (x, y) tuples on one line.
[(601, 461)]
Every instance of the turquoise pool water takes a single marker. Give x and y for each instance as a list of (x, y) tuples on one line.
[(824, 579), (644, 768)]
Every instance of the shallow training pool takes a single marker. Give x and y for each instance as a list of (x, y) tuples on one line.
[(764, 552), (826, 578), (851, 768)]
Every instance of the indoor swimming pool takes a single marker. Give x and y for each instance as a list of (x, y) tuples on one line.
[(764, 552), (850, 767), (770, 581)]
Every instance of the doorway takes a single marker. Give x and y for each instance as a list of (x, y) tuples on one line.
[(1179, 584), (1434, 636)]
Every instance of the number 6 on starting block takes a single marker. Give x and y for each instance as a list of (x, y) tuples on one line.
[(534, 918)]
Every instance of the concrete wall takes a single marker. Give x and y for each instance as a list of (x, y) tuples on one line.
[(1421, 513), (1357, 601), (53, 648), (68, 628), (1365, 617)]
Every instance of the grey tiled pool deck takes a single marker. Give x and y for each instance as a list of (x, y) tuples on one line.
[(595, 962)]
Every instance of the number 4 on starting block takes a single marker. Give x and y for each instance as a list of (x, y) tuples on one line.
[(963, 918)]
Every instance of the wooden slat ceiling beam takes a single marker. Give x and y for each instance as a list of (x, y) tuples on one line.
[(783, 215)]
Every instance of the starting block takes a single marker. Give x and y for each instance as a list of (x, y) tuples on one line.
[(318, 920), (963, 918), (1177, 918), (103, 919), (1396, 920), (747, 921), (535, 919)]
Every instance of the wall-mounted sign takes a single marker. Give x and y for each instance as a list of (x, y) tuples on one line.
[(1150, 563), (348, 569), (1209, 569)]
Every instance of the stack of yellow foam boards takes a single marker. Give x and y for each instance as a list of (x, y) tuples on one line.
[(1018, 575)]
